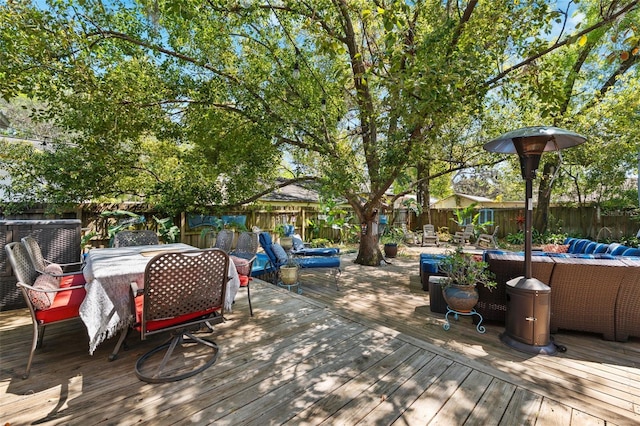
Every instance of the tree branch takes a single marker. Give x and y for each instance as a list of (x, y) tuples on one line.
[(567, 40)]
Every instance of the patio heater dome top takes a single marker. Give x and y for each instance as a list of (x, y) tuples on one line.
[(537, 139)]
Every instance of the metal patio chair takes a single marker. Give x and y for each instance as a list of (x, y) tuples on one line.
[(40, 263), (50, 299), (136, 238), (224, 240), (243, 257), (183, 291)]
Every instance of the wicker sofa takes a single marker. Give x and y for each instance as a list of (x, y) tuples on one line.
[(492, 305), (592, 295)]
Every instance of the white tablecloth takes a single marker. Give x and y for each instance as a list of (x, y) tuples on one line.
[(109, 272)]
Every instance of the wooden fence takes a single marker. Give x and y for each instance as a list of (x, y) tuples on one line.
[(575, 221), (585, 222)]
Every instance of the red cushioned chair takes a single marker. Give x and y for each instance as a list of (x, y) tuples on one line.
[(63, 299), (183, 291)]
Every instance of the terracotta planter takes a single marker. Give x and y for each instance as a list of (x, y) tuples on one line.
[(390, 250), (460, 298), (289, 274)]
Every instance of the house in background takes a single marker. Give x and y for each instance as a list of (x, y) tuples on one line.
[(460, 201), (485, 206)]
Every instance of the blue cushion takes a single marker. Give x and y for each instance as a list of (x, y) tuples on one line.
[(430, 256), (319, 251), (280, 254), (619, 250), (612, 247), (297, 244), (318, 262), (591, 247), (632, 252), (579, 246), (603, 256), (601, 248), (267, 246), (430, 266), (569, 240)]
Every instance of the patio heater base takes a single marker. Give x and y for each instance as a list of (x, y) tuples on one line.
[(548, 349)]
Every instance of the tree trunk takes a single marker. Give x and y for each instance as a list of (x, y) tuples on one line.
[(423, 196), (369, 253), (544, 196)]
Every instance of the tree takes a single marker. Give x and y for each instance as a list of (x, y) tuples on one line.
[(357, 94), (588, 86)]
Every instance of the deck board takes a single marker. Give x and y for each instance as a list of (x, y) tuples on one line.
[(370, 353)]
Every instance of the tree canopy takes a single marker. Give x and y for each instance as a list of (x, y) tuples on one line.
[(190, 103)]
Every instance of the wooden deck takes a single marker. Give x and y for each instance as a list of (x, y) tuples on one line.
[(371, 353)]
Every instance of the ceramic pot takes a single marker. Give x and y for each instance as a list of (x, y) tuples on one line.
[(286, 243), (289, 274), (460, 298), (390, 250)]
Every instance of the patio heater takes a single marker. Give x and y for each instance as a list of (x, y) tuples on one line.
[(528, 314)]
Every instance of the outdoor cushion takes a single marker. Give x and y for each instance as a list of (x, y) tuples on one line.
[(632, 252), (65, 305), (72, 280), (619, 250), (430, 266), (167, 322), (317, 251), (318, 262), (601, 248), (555, 248), (279, 253), (297, 244), (591, 247), (579, 246), (42, 300), (242, 265), (39, 299), (299, 249), (244, 280), (612, 247)]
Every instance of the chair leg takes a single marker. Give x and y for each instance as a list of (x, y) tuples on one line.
[(40, 336), (34, 344), (159, 376), (249, 296)]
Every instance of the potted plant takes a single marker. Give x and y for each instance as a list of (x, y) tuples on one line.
[(285, 235), (289, 272), (391, 238), (464, 273)]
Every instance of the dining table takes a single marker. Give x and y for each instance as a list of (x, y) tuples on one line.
[(109, 272)]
